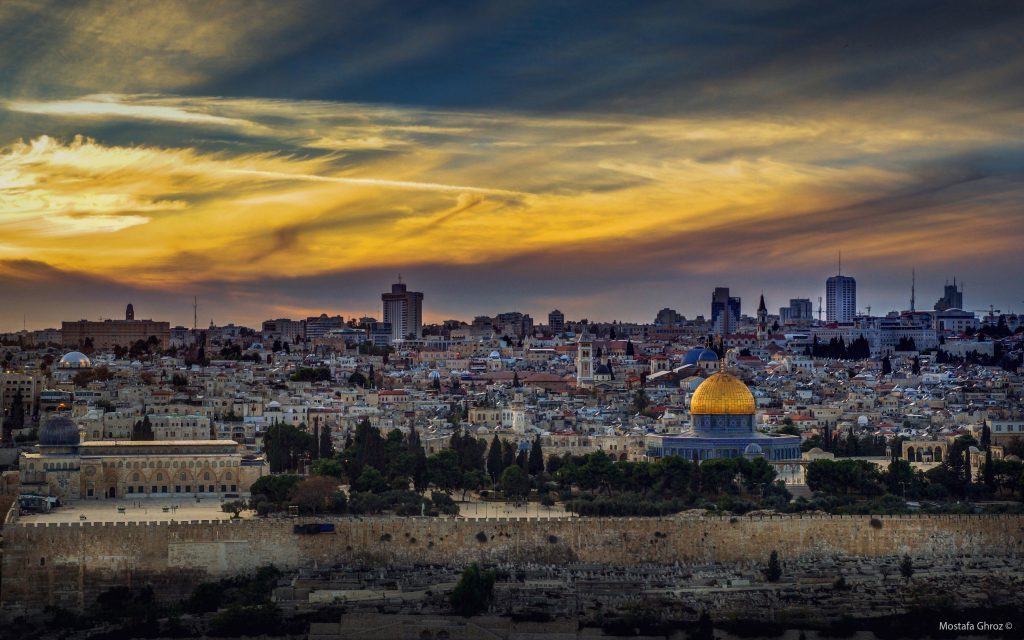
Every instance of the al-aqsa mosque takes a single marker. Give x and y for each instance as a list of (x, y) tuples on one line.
[(722, 425)]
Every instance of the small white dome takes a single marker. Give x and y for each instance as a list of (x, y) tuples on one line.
[(75, 360)]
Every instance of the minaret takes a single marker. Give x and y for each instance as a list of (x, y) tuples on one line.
[(762, 320), (129, 312)]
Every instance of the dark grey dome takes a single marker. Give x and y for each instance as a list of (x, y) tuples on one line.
[(59, 432)]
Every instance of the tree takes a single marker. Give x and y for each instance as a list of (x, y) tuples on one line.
[(515, 483), (234, 507), (326, 445), (495, 464), (444, 471), (16, 420), (915, 368), (474, 592), (143, 430), (370, 481), (419, 461), (328, 467), (367, 449), (357, 380), (886, 365), (274, 488), (907, 567), (845, 477), (640, 401), (988, 472), (318, 494), (773, 571), (536, 461), (986, 436), (630, 350), (285, 446)]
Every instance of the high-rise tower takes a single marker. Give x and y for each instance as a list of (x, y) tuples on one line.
[(404, 311)]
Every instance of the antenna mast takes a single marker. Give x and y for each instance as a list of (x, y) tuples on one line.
[(913, 282)]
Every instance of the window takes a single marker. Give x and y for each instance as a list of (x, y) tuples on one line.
[(234, 488), (223, 488), (177, 488), (131, 489), (154, 489)]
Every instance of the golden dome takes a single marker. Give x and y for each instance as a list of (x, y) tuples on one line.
[(722, 393)]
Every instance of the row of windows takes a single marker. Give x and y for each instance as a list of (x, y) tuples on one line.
[(159, 476), (201, 488), (170, 465)]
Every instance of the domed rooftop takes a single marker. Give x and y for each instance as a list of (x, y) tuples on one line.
[(722, 393), (59, 432), (753, 449), (75, 360), (699, 354)]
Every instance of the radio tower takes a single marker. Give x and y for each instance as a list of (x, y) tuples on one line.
[(913, 282)]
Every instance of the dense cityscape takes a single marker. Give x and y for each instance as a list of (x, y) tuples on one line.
[(913, 412), (517, 320)]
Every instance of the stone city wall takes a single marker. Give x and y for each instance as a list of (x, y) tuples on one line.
[(68, 564)]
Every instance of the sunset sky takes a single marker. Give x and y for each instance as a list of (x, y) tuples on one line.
[(607, 158)]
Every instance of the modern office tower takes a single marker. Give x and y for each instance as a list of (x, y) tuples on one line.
[(556, 322), (513, 323), (725, 311), (403, 310), (841, 299), (319, 326), (799, 311), (952, 297)]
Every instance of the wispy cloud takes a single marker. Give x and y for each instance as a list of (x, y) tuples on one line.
[(112, 106), (260, 144)]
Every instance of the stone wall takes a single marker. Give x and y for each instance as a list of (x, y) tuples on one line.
[(69, 564)]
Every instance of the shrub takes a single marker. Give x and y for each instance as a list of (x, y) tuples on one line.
[(474, 592), (876, 523), (481, 536)]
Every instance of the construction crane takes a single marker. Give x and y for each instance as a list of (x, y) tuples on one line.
[(992, 311)]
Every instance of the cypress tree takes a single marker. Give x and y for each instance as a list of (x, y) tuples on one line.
[(536, 462), (495, 463), (989, 473), (773, 571), (326, 445)]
